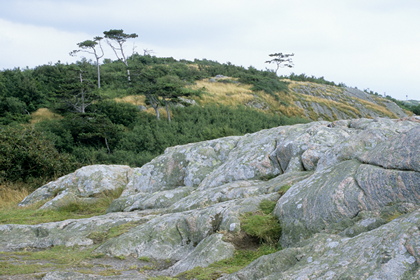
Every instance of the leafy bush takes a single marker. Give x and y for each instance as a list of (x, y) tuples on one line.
[(26, 153), (118, 113), (416, 110), (12, 110)]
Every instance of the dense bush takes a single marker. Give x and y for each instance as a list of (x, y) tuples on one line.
[(304, 78), (26, 153)]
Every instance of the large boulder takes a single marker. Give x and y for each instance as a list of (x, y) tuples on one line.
[(85, 184)]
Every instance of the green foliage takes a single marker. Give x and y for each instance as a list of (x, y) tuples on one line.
[(116, 133), (416, 110), (284, 189), (12, 110), (265, 227), (265, 83), (267, 206), (27, 153), (403, 105), (118, 113), (304, 78), (262, 224)]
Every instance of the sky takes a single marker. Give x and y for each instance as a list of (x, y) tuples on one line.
[(368, 44)]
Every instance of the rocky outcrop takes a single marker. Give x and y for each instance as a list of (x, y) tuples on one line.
[(326, 102), (351, 210), (82, 185), (387, 252)]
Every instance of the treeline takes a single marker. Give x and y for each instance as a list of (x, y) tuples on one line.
[(91, 128)]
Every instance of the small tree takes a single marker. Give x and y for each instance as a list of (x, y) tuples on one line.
[(90, 46), (119, 37), (281, 60), (169, 88), (79, 92)]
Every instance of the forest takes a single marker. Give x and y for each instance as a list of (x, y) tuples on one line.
[(81, 122)]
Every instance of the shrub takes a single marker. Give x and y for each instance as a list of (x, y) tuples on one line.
[(26, 153)]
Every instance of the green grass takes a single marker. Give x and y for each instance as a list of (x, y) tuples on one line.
[(262, 224), (7, 268), (24, 262), (240, 259), (284, 189), (74, 210), (267, 206)]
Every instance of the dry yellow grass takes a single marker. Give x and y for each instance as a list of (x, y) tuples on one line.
[(286, 107), (233, 94), (375, 107), (11, 196), (133, 99), (223, 93), (330, 103), (43, 114)]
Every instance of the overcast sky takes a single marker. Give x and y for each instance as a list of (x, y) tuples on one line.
[(368, 44)]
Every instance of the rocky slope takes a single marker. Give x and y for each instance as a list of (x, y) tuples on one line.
[(325, 102), (352, 211), (309, 100)]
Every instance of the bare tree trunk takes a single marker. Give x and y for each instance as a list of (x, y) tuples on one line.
[(107, 146), (99, 73), (128, 75), (83, 106), (157, 112), (156, 107), (168, 113)]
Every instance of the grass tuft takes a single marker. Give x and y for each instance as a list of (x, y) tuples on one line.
[(262, 224)]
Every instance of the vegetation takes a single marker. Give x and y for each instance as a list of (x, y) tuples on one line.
[(10, 213), (80, 259), (215, 270), (58, 117), (54, 119), (304, 78), (281, 60), (262, 224)]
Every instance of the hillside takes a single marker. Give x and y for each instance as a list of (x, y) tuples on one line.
[(320, 200), (309, 100), (61, 120)]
